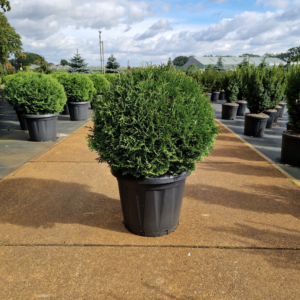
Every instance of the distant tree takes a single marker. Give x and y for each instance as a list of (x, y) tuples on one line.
[(249, 55), (78, 65), (112, 64), (192, 69), (43, 66), (179, 61), (245, 62), (170, 64), (219, 66), (5, 5), (10, 41), (64, 62), (27, 60)]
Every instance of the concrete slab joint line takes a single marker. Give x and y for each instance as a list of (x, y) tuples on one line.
[(270, 161)]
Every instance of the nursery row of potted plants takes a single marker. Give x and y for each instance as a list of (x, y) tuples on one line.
[(38, 99), (264, 89)]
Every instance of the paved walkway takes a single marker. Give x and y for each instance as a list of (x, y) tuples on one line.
[(15, 147), (270, 144), (62, 235)]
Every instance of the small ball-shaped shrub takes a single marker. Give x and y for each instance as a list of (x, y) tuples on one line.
[(111, 76), (153, 122), (293, 97), (100, 82), (78, 87), (35, 93)]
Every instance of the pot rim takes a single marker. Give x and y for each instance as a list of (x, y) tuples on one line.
[(79, 103), (256, 117), (290, 136), (32, 116), (152, 180), (233, 104)]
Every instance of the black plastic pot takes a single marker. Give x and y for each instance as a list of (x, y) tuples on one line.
[(42, 128), (272, 115), (229, 111), (78, 110), (288, 126), (279, 109), (222, 96), (255, 125), (22, 119), (215, 96), (151, 206), (283, 105), (242, 108), (290, 150), (66, 110)]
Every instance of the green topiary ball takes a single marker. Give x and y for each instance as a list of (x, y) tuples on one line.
[(153, 122), (78, 87), (111, 76), (100, 82), (293, 97), (35, 93)]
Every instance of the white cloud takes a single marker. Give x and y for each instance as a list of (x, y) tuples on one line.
[(160, 26)]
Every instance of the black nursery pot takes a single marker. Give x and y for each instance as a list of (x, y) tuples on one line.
[(229, 111), (215, 96), (22, 120), (151, 206), (283, 105), (222, 96), (242, 108), (78, 110), (279, 109), (66, 110), (42, 128), (290, 149), (255, 125), (272, 115)]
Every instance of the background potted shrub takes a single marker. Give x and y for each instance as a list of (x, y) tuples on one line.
[(275, 85), (290, 151), (231, 84), (258, 99), (41, 97), (241, 98), (150, 127), (19, 113), (100, 84), (79, 90)]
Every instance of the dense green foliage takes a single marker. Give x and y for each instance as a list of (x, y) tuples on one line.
[(112, 64), (5, 5), (35, 93), (10, 41), (179, 61), (293, 97), (27, 60), (64, 62), (111, 76), (78, 87), (219, 65), (153, 122), (43, 66), (231, 85), (292, 54), (78, 65), (100, 83)]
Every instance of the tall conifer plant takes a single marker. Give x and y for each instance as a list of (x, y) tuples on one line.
[(78, 65)]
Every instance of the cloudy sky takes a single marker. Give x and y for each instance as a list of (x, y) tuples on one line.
[(151, 31)]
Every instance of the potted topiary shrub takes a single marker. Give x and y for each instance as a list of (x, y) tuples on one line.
[(100, 84), (231, 86), (242, 87), (275, 85), (217, 86), (41, 98), (19, 113), (150, 127), (258, 101), (79, 90), (290, 151)]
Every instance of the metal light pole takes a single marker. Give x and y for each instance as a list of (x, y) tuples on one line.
[(101, 65)]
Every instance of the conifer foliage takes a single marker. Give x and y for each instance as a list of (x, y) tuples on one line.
[(112, 64), (78, 65)]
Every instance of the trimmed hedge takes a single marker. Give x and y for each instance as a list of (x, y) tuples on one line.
[(35, 93), (100, 82), (293, 97), (78, 87), (153, 122)]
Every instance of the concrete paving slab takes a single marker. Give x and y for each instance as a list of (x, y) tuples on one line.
[(147, 273), (249, 205)]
